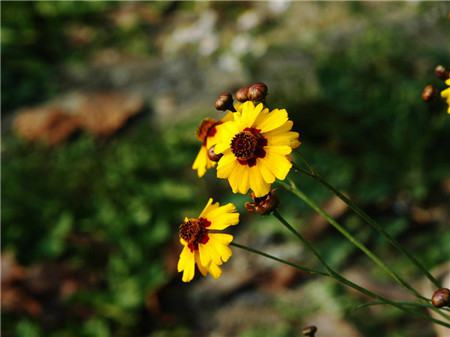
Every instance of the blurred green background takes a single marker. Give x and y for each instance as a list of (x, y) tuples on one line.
[(89, 244)]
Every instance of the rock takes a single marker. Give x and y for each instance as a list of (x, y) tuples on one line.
[(101, 114), (48, 124)]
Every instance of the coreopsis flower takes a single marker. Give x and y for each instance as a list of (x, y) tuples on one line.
[(445, 94), (255, 145), (203, 243), (207, 135)]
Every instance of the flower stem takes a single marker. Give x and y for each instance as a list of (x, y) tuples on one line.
[(313, 174), (294, 189), (252, 250), (332, 274)]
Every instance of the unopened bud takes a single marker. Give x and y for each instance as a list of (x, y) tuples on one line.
[(257, 92), (262, 205), (214, 156), (441, 72), (224, 102), (309, 331), (428, 93), (441, 298), (242, 94)]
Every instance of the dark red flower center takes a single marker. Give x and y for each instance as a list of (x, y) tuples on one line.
[(207, 129), (248, 145), (194, 231)]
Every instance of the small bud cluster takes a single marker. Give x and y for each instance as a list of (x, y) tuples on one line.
[(441, 298), (263, 205), (309, 331), (256, 92), (429, 92)]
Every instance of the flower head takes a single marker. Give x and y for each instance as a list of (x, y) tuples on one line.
[(203, 243), (255, 145), (207, 135), (446, 94)]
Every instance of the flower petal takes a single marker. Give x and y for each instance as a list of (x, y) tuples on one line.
[(274, 119), (208, 208), (220, 243), (249, 114), (214, 270), (279, 149), (223, 216), (257, 182), (202, 162), (224, 171), (235, 176), (186, 264), (279, 165), (203, 270)]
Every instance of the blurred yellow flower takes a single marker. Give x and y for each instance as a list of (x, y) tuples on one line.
[(255, 145), (207, 135), (203, 244), (446, 94)]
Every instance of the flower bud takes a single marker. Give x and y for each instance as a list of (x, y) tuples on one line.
[(214, 156), (242, 94), (441, 72), (441, 298), (224, 102), (257, 92), (428, 93), (309, 331), (262, 205)]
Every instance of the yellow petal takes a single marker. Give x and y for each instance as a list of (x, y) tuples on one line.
[(445, 93), (234, 178), (265, 171), (275, 119), (186, 264), (228, 117), (209, 207), (286, 127), (243, 180), (203, 270), (223, 216), (227, 158), (285, 138), (226, 132), (221, 246), (202, 162), (278, 149), (257, 183), (208, 254), (279, 165), (224, 171), (214, 270), (249, 114)]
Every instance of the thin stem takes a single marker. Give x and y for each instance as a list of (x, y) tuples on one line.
[(345, 281), (294, 189), (305, 269), (422, 305), (313, 174)]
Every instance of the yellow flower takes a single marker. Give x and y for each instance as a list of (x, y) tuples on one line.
[(207, 135), (203, 244), (255, 145), (446, 94)]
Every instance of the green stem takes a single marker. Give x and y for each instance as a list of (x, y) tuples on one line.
[(337, 277), (313, 174), (351, 238), (343, 280), (422, 305), (252, 250)]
